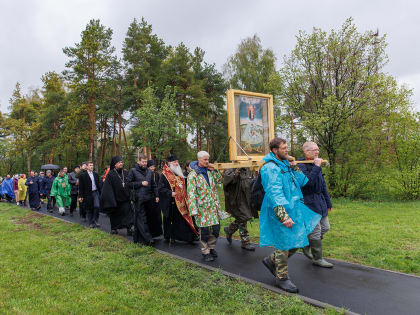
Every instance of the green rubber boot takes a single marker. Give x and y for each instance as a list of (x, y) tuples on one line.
[(316, 248), (307, 252)]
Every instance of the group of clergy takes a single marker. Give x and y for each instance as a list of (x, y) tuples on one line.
[(136, 199)]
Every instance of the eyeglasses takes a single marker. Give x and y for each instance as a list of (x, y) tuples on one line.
[(313, 150)]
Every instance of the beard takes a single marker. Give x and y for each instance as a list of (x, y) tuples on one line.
[(177, 170)]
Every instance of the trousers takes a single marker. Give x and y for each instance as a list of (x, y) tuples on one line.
[(243, 231), (141, 229), (208, 238), (93, 213), (280, 258), (321, 228)]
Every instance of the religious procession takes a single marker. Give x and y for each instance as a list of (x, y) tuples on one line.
[(183, 205)]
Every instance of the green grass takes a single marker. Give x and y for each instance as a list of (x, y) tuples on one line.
[(50, 266), (379, 234)]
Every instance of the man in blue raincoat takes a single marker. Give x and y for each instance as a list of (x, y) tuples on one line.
[(285, 221)]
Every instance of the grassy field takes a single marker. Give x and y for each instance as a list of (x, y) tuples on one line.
[(380, 234), (50, 266)]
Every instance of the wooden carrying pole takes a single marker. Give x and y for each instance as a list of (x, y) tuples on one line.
[(253, 165)]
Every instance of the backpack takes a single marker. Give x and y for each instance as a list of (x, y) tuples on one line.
[(257, 192)]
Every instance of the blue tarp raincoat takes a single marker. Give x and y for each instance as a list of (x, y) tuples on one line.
[(7, 188), (282, 187)]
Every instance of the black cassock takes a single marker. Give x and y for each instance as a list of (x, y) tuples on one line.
[(115, 199), (174, 225)]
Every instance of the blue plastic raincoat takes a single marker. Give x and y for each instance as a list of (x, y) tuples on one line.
[(282, 187), (7, 188)]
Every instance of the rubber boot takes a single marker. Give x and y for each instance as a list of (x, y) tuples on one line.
[(316, 247), (287, 285), (307, 252)]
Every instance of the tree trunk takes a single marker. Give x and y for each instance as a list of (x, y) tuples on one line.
[(54, 136), (332, 178), (119, 123), (114, 145), (125, 140), (103, 149), (207, 134), (28, 161), (292, 129), (71, 157)]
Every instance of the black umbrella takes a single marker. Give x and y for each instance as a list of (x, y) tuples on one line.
[(50, 167)]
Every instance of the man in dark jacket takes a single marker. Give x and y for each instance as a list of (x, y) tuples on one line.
[(316, 197), (82, 210), (237, 187), (89, 194), (45, 191), (140, 179), (40, 180), (74, 184), (33, 191), (153, 213), (115, 197)]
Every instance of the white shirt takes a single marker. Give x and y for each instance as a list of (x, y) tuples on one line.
[(93, 180)]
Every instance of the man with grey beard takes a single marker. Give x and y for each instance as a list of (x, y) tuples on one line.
[(177, 223)]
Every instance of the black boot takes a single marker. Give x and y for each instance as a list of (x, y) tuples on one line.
[(228, 235), (213, 253), (208, 258), (114, 231), (130, 231), (287, 285), (270, 265)]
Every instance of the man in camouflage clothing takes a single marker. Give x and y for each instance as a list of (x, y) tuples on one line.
[(204, 203), (237, 187)]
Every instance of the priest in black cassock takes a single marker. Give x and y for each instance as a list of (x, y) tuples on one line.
[(173, 200), (115, 197)]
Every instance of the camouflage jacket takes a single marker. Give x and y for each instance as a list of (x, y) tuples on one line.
[(203, 197)]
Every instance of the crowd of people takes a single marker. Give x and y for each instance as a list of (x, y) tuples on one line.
[(184, 206)]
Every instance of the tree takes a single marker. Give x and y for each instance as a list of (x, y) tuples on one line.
[(87, 69), (251, 66), (405, 144), (22, 121), (143, 54), (52, 113), (158, 126), (334, 86)]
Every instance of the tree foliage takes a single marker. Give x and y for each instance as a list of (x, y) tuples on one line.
[(161, 98), (251, 66)]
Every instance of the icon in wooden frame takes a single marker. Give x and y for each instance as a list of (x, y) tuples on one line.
[(250, 124)]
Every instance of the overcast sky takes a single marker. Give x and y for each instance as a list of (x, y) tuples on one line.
[(33, 33)]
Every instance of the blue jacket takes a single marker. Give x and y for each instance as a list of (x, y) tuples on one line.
[(46, 185), (34, 187), (282, 187), (315, 194), (6, 188)]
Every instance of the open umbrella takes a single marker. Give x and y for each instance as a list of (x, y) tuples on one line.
[(50, 167)]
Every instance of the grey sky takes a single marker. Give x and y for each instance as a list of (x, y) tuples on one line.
[(33, 33)]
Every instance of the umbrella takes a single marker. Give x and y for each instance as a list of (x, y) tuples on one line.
[(50, 167)]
